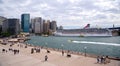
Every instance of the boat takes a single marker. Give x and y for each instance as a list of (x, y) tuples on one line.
[(84, 32)]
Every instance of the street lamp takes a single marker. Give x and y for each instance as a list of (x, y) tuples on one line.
[(85, 50)]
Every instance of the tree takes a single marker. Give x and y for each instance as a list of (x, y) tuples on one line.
[(5, 34)]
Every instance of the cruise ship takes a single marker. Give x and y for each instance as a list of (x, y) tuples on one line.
[(84, 32)]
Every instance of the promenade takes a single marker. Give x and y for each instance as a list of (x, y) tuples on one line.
[(25, 58)]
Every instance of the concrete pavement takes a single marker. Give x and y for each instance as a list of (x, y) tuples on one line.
[(25, 58)]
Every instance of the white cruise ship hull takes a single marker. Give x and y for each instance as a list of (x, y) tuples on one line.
[(84, 32), (82, 35)]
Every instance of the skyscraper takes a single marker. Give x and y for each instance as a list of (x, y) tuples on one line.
[(38, 25), (2, 19), (32, 25), (25, 22), (46, 26), (53, 26), (11, 26), (1, 22)]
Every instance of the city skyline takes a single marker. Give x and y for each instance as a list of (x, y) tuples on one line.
[(69, 13)]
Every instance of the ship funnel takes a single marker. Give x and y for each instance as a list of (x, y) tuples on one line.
[(87, 26)]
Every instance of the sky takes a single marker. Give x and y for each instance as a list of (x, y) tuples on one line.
[(68, 13)]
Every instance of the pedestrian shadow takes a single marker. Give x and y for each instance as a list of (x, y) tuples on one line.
[(97, 63), (43, 61)]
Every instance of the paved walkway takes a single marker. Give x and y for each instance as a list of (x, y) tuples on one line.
[(24, 58), (9, 59)]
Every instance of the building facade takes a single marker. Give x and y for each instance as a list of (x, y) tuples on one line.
[(46, 26), (53, 26), (1, 22), (37, 25), (12, 26), (32, 25), (25, 22)]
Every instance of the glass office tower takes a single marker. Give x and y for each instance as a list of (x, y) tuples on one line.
[(25, 22)]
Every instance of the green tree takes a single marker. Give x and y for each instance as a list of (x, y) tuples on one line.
[(5, 34)]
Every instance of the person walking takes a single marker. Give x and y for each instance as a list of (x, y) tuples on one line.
[(62, 53), (104, 59), (3, 50), (32, 51), (46, 57), (98, 59)]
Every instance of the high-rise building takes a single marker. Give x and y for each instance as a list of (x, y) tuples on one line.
[(11, 26), (2, 19), (1, 22), (32, 25), (53, 26), (38, 25), (25, 22), (46, 26)]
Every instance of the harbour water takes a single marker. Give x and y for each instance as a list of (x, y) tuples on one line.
[(94, 45)]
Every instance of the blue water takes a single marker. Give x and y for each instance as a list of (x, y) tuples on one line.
[(95, 45)]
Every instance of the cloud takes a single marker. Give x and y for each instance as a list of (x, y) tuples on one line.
[(1, 1), (66, 12), (26, 3), (113, 10)]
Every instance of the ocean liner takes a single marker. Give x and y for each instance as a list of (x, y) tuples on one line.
[(86, 31)]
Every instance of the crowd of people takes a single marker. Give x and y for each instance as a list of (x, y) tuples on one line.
[(103, 59), (15, 51), (35, 50)]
